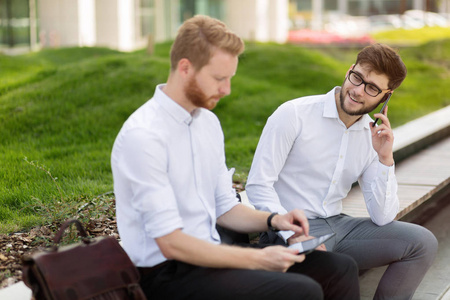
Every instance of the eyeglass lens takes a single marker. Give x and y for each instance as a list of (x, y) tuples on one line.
[(369, 88)]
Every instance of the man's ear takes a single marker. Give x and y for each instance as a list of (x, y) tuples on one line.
[(386, 96), (184, 67), (351, 68)]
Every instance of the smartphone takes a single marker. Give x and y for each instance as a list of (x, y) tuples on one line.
[(308, 246), (382, 109)]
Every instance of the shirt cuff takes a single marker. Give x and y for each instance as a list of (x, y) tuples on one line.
[(385, 172), (285, 234)]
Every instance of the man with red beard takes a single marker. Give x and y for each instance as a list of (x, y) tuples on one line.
[(172, 187), (314, 148)]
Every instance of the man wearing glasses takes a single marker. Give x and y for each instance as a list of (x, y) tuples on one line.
[(314, 148)]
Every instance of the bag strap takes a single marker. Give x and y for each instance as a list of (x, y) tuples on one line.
[(81, 231)]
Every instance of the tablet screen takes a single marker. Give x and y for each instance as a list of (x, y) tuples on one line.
[(308, 246)]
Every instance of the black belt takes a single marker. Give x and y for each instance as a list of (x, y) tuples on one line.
[(147, 270)]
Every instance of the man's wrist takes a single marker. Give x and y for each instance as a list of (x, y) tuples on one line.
[(388, 162), (269, 222)]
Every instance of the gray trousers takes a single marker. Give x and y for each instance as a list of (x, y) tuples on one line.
[(407, 248)]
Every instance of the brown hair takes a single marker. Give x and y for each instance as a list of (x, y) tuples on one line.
[(197, 39), (382, 59)]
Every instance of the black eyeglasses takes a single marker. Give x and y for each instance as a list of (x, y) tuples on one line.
[(369, 88)]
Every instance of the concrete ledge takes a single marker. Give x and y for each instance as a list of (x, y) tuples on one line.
[(416, 135), (445, 295), (18, 291)]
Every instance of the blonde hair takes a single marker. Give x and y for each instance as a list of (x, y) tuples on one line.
[(197, 39)]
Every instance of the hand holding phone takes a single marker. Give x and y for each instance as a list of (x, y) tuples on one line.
[(382, 109)]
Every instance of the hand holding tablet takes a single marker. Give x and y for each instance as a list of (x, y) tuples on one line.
[(308, 246)]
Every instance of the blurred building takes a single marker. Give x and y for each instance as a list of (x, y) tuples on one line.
[(317, 14), (127, 25)]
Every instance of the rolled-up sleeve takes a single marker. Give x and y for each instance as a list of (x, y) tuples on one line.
[(144, 165), (225, 194)]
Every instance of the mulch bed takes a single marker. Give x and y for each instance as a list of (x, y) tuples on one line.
[(13, 246)]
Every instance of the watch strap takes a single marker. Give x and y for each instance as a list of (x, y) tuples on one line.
[(269, 222)]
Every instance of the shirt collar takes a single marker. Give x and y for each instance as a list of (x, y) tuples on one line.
[(176, 111), (330, 111)]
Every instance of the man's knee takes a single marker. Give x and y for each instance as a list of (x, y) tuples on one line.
[(426, 242), (345, 267), (341, 264), (274, 285), (414, 242)]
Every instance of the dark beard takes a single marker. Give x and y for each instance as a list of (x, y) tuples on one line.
[(362, 111), (197, 96)]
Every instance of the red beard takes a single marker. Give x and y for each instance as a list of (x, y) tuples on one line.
[(198, 97)]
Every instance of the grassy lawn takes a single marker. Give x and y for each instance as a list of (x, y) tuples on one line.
[(61, 110)]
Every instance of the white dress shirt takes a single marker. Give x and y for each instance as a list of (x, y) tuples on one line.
[(169, 173), (306, 158)]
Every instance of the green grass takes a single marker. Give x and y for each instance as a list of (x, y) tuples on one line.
[(62, 109)]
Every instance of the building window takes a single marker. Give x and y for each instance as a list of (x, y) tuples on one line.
[(212, 8), (14, 23), (377, 7), (147, 17)]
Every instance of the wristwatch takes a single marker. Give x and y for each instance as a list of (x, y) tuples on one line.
[(269, 222)]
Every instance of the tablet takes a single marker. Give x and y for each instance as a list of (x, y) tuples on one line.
[(308, 246)]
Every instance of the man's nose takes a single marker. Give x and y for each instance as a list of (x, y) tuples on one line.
[(225, 88), (360, 89)]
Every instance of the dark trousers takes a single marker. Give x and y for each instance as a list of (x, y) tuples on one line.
[(322, 275)]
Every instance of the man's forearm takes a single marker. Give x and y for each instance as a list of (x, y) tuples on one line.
[(182, 247), (244, 219)]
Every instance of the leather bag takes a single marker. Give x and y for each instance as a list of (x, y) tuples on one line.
[(95, 268)]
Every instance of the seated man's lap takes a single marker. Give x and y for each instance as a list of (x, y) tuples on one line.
[(335, 272), (178, 280), (372, 245)]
